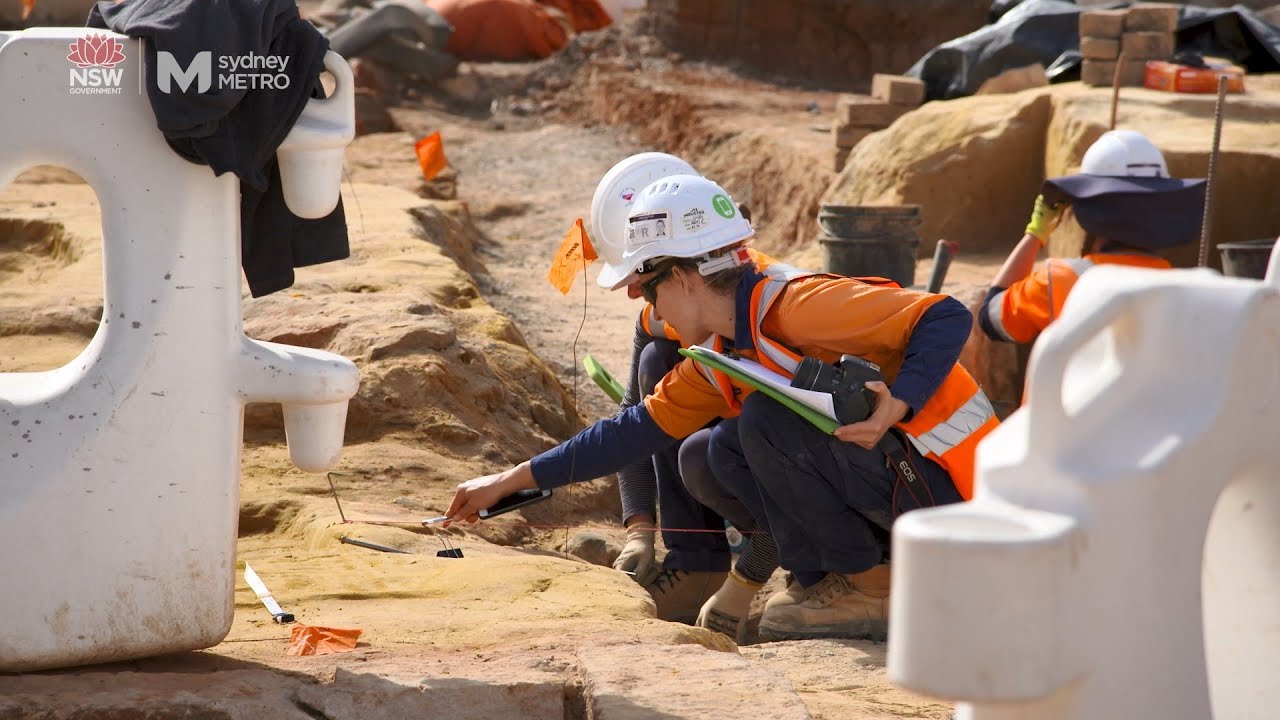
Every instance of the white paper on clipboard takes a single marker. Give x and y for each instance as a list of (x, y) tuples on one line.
[(820, 401)]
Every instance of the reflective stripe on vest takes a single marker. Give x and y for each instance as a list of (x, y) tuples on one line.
[(719, 380), (951, 432), (762, 297)]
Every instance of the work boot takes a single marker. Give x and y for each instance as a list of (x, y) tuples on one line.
[(726, 611), (680, 594), (842, 606), (791, 596)]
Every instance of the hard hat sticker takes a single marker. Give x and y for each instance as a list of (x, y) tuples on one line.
[(649, 227), (627, 195), (723, 206), (694, 220)]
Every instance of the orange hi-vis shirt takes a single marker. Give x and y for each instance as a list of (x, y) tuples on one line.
[(876, 323), (1022, 311)]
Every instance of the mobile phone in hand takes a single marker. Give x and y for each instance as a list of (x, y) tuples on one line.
[(514, 501)]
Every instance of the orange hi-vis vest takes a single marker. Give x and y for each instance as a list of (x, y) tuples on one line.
[(946, 430)]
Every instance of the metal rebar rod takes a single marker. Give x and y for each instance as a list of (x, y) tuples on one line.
[(1213, 171), (1115, 90)]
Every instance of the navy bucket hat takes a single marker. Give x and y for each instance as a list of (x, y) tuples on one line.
[(1124, 194)]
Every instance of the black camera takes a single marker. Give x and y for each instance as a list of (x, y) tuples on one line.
[(846, 381)]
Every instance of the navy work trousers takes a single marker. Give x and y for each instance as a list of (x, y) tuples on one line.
[(828, 503)]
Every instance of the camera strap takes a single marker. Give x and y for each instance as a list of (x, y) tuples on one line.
[(908, 477)]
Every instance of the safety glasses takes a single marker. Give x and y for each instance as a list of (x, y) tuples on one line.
[(649, 288)]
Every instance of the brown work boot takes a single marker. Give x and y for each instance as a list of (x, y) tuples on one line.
[(680, 594), (843, 606), (791, 596)]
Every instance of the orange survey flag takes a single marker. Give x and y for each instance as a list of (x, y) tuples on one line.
[(27, 7), (313, 640), (574, 254), (431, 158)]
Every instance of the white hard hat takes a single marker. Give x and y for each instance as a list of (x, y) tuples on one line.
[(1124, 153), (680, 216), (612, 201)]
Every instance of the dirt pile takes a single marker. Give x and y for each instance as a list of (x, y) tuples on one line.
[(838, 43)]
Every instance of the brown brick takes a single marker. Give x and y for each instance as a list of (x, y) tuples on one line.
[(839, 156), (1147, 45), (1101, 73), (1102, 23), (845, 135), (1151, 17), (1098, 73), (897, 89), (1095, 48), (864, 111)]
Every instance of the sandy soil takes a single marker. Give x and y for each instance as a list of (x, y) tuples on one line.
[(440, 306)]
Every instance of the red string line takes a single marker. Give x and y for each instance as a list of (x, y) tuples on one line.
[(530, 526)]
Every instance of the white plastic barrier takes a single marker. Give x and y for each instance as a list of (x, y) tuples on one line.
[(1121, 558), (119, 472)]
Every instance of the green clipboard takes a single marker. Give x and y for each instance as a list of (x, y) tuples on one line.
[(607, 383), (712, 359)]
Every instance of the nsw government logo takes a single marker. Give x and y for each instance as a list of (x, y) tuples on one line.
[(95, 58)]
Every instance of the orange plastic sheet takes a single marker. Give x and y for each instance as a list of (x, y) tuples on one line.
[(504, 30), (431, 157), (574, 254), (586, 15), (314, 640)]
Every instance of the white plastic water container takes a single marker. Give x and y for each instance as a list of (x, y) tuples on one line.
[(1121, 556), (119, 472)]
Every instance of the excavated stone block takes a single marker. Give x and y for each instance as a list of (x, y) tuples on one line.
[(1101, 73), (1154, 17), (1147, 45), (864, 111), (846, 136), (839, 157), (365, 695), (1099, 48), (897, 89), (683, 681), (1102, 23)]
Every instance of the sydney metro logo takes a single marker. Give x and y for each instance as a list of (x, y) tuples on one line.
[(95, 58)]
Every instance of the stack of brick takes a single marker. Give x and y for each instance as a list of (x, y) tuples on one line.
[(857, 116), (1141, 33)]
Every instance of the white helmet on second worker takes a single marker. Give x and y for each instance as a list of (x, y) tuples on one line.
[(1124, 153), (682, 216), (614, 195)]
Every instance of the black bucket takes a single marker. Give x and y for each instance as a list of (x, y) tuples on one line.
[(878, 241), (1246, 259)]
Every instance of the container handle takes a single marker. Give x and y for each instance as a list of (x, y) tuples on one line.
[(1050, 356)]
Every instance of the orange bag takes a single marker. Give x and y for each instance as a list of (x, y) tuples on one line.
[(313, 640)]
